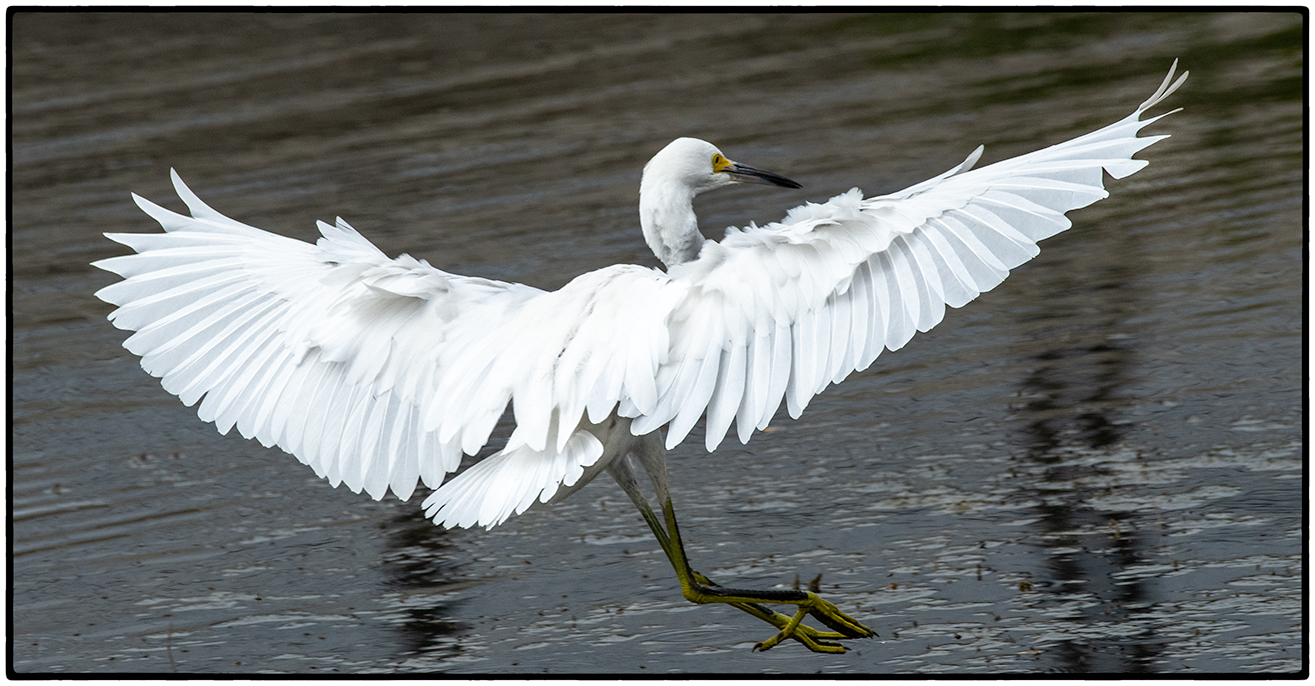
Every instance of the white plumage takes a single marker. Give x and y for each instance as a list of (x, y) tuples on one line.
[(379, 372)]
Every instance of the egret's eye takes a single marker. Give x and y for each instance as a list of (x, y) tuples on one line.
[(719, 163)]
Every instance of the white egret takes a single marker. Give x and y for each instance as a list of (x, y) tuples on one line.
[(380, 372)]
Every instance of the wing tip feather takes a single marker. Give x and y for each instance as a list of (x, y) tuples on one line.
[(1165, 89)]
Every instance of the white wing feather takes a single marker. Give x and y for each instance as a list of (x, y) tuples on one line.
[(377, 372)]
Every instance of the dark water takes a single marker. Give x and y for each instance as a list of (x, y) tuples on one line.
[(1096, 467)]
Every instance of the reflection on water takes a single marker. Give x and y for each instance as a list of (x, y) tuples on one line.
[(1075, 386), (416, 564), (1071, 409), (1094, 468)]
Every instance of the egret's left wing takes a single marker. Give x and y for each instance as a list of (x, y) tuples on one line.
[(379, 371), (332, 350)]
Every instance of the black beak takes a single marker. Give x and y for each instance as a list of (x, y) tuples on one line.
[(745, 174)]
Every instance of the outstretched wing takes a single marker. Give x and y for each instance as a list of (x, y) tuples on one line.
[(332, 351), (784, 310), (378, 371)]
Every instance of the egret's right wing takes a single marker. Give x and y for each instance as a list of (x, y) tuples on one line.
[(332, 351), (783, 310)]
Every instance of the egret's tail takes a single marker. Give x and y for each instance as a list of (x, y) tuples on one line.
[(511, 481)]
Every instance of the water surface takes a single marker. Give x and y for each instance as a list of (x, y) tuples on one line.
[(1097, 467)]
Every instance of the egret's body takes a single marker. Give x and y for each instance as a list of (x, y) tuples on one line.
[(380, 372)]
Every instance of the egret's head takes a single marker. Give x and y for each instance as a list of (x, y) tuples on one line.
[(700, 166)]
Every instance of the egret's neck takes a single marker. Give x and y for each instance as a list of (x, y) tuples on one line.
[(666, 212)]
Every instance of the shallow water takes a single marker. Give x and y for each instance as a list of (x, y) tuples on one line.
[(1097, 467)]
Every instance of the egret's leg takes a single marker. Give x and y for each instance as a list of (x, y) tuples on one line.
[(808, 602), (699, 589), (813, 639)]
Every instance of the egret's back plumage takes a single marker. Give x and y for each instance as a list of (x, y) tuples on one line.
[(380, 372)]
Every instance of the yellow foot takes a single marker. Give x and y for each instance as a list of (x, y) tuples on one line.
[(818, 641), (792, 627)]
